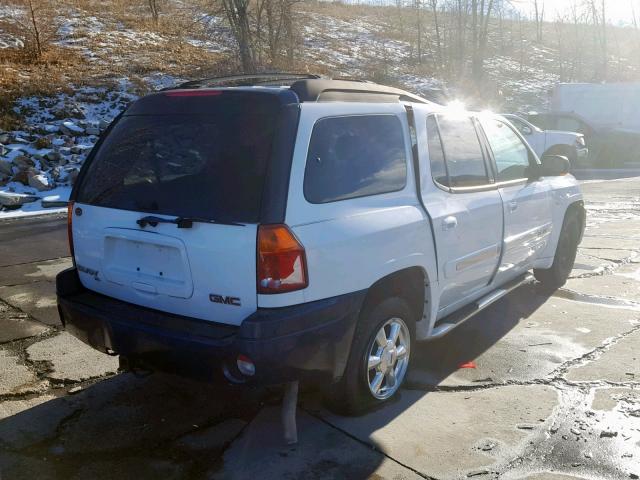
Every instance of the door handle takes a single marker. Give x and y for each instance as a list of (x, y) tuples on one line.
[(449, 223), (513, 206)]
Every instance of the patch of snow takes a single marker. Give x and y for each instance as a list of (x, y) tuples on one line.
[(158, 81), (36, 208), (10, 13)]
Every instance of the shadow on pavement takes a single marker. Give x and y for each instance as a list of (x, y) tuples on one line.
[(127, 428)]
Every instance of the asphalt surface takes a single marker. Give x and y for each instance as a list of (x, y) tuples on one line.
[(553, 390)]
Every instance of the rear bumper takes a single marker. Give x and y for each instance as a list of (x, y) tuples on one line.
[(308, 342)]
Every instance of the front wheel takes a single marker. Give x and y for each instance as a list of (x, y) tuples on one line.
[(379, 358), (556, 276)]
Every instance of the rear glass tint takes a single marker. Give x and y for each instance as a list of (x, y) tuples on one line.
[(209, 165), (355, 156)]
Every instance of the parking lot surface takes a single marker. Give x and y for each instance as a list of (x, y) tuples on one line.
[(536, 387)]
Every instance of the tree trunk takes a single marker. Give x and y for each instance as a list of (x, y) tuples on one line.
[(36, 30), (419, 25), (434, 6), (155, 12), (237, 12)]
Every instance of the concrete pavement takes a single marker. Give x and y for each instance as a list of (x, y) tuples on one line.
[(555, 392)]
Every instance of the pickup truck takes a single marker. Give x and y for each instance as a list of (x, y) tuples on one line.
[(279, 228), (553, 142)]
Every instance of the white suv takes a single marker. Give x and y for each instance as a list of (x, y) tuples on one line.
[(313, 231)]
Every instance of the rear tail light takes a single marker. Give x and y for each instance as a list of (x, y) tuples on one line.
[(70, 230), (281, 260)]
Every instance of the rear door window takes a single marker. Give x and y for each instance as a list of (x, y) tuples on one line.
[(355, 156), (200, 165), (464, 158)]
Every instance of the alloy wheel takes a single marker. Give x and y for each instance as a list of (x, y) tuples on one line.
[(388, 358)]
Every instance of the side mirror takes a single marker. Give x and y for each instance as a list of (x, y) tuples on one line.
[(526, 130), (554, 166)]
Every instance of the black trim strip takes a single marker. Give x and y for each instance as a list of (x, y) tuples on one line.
[(411, 120), (276, 186)]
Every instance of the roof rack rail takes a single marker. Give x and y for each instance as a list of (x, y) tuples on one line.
[(326, 90), (312, 88), (277, 78)]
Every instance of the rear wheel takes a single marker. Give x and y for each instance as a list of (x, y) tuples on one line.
[(379, 358), (556, 276)]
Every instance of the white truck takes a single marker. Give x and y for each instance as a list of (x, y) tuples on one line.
[(552, 142), (299, 228), (602, 105), (607, 114)]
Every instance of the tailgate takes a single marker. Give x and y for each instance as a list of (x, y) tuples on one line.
[(207, 271)]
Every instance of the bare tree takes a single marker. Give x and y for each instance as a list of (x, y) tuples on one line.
[(436, 26), (418, 12), (237, 13), (538, 10), (155, 11), (35, 24), (275, 29), (480, 13)]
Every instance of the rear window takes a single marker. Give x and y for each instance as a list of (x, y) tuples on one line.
[(209, 165), (355, 156)]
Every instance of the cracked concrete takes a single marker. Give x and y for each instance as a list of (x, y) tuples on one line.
[(37, 299), (71, 360), (441, 434), (619, 363), (17, 325), (14, 376), (555, 392)]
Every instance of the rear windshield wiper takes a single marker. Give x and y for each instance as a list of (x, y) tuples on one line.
[(181, 222)]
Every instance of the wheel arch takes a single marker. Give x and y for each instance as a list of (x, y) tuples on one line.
[(563, 149), (411, 283)]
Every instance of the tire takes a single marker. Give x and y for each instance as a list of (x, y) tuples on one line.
[(555, 277), (362, 388)]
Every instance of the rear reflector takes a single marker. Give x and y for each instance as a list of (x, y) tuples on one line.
[(194, 93), (70, 230), (281, 262), (246, 366)]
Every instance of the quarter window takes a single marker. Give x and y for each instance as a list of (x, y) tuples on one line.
[(436, 154), (355, 156), (465, 161), (510, 153)]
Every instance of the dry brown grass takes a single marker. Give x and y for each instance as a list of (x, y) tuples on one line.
[(20, 76)]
